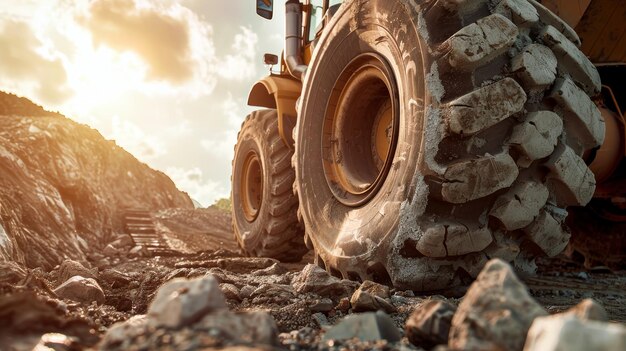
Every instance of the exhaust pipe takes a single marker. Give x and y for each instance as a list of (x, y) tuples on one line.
[(293, 39)]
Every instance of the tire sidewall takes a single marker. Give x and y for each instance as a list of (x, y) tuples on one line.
[(361, 27)]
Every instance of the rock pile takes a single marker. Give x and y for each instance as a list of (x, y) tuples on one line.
[(63, 186), (189, 315)]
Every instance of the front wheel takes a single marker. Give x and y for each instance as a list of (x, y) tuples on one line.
[(264, 207), (435, 135)]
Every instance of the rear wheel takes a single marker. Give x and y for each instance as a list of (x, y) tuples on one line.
[(434, 135), (264, 207)]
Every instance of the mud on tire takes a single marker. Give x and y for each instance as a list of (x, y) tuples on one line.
[(495, 116), (272, 229)]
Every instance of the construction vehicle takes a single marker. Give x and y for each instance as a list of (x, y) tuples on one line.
[(409, 141)]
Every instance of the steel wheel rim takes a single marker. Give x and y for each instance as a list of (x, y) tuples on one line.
[(252, 186), (360, 130)]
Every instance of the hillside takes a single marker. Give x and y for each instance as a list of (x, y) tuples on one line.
[(63, 186)]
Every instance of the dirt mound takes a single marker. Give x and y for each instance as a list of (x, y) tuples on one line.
[(63, 186)]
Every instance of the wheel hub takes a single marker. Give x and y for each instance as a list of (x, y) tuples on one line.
[(252, 186), (360, 130)]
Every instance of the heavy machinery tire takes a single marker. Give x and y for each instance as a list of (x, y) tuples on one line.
[(490, 118), (264, 208)]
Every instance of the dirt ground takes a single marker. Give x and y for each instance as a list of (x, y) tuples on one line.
[(560, 283), (30, 307)]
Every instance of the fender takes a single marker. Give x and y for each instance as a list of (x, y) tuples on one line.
[(280, 93)]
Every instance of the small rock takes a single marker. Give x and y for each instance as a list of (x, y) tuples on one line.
[(123, 241), (566, 332), (246, 291), (343, 305), (274, 269), (398, 300), (56, 342), (369, 326), (320, 319), (375, 289), (371, 296), (590, 310), (81, 289), (316, 280), (115, 278), (230, 291), (181, 301), (121, 335), (138, 251), (323, 305), (276, 291), (582, 275), (496, 312), (257, 328), (70, 268), (429, 325), (110, 250)]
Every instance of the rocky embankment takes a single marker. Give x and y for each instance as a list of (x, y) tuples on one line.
[(62, 186)]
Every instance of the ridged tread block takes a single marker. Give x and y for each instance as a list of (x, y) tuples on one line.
[(549, 18), (469, 114), (281, 236), (580, 111), (536, 137), (519, 207), (522, 13), (572, 60), (536, 67), (548, 234), (481, 42), (572, 181), (470, 180), (547, 70), (452, 239)]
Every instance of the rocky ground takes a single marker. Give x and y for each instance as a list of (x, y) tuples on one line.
[(209, 297)]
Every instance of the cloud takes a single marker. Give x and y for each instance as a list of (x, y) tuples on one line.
[(132, 138), (171, 40), (192, 181), (222, 146), (241, 64), (24, 64)]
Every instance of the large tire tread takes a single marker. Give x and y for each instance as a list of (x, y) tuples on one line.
[(511, 155), (281, 236)]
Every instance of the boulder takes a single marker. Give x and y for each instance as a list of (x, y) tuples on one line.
[(370, 326), (313, 279), (71, 268), (429, 325), (590, 310), (496, 312), (81, 289), (567, 332), (255, 328), (181, 301), (371, 296)]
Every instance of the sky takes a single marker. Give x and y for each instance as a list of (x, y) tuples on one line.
[(167, 80)]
